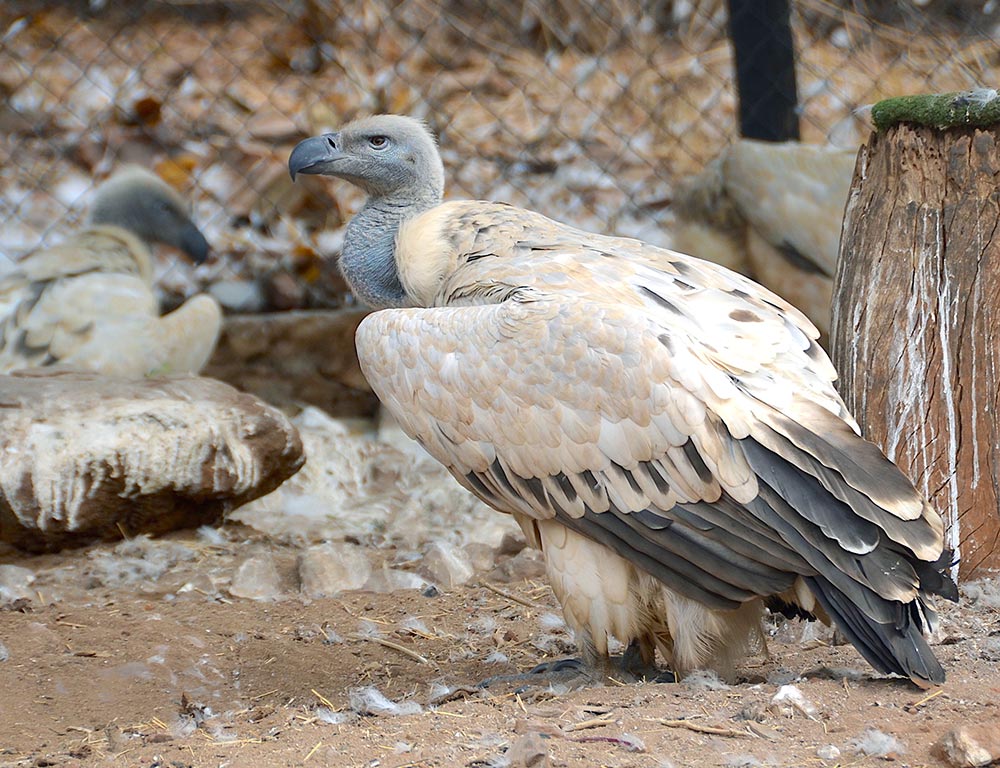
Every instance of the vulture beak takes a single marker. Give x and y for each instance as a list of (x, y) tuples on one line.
[(194, 244), (314, 155)]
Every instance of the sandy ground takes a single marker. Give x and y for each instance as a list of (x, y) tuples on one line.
[(111, 662)]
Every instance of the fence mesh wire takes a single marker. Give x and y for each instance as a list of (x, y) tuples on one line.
[(590, 111)]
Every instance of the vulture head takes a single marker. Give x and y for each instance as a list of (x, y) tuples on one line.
[(388, 156), (141, 202)]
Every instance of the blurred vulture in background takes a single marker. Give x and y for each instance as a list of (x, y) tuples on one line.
[(665, 430), (88, 302), (772, 211)]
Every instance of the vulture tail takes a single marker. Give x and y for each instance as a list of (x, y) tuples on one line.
[(896, 647), (876, 548)]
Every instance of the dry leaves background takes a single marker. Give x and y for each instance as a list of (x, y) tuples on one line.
[(587, 111)]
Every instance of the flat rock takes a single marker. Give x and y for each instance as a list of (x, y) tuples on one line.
[(257, 578), (86, 457), (329, 569), (448, 565), (295, 358), (969, 747), (15, 584)]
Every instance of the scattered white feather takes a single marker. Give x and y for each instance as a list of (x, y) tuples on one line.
[(414, 624), (789, 700), (183, 727), (369, 629), (551, 622), (213, 536), (704, 680), (137, 561), (875, 743), (482, 625), (496, 657), (371, 701), (329, 716), (631, 742), (439, 691), (330, 636), (15, 583), (982, 96)]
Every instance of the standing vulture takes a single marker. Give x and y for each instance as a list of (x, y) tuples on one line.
[(665, 430), (88, 302)]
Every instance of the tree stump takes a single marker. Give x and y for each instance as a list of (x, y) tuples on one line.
[(916, 308)]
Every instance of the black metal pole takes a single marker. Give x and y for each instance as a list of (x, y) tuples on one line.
[(761, 33)]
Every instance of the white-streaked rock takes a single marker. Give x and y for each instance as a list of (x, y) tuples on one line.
[(962, 748), (86, 457)]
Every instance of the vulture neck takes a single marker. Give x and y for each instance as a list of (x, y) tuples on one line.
[(368, 260)]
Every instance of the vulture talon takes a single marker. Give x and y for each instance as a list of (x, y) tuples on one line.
[(558, 665), (570, 672)]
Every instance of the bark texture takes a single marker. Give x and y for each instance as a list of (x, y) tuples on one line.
[(916, 320)]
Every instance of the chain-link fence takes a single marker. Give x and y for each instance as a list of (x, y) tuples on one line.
[(589, 111)]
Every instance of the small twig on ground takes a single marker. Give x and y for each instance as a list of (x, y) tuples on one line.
[(397, 647), (324, 700), (699, 728), (515, 598), (313, 750), (596, 722)]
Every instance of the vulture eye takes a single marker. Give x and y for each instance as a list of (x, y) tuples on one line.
[(378, 142)]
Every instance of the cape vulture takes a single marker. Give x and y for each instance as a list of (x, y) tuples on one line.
[(665, 430)]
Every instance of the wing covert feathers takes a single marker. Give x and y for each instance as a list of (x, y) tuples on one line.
[(665, 407)]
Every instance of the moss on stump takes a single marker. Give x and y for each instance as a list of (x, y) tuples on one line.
[(977, 108)]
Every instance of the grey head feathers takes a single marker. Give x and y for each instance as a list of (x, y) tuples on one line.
[(141, 202), (386, 155), (396, 161)]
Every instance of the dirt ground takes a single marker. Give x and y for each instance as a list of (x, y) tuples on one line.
[(172, 671)]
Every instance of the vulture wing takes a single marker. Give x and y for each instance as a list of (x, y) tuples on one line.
[(666, 407)]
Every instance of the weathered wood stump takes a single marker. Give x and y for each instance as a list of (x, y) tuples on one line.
[(916, 308)]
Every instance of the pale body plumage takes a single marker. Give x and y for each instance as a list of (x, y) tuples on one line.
[(88, 302), (665, 430), (774, 212)]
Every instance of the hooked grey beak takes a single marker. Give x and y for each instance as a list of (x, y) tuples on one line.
[(313, 155), (194, 244)]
